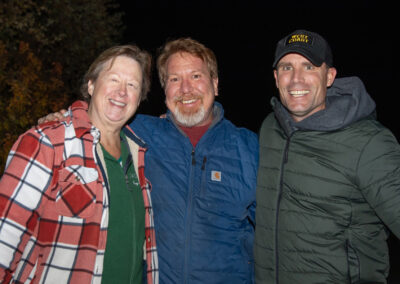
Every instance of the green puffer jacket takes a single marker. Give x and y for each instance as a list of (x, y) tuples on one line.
[(327, 186)]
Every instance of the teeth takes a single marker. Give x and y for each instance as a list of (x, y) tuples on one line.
[(117, 103), (188, 101), (298, 93)]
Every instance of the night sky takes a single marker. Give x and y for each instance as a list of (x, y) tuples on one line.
[(243, 35)]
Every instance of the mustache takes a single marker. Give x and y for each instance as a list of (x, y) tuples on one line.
[(187, 97)]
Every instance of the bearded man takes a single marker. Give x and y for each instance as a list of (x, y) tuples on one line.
[(203, 173)]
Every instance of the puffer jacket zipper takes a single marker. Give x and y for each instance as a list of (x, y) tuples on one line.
[(188, 223)]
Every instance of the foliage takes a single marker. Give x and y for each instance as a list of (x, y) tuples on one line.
[(33, 91), (45, 48)]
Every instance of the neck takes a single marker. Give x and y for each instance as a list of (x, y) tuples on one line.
[(110, 140), (109, 134), (112, 144), (195, 133)]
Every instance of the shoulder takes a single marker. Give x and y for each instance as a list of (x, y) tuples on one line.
[(49, 132), (244, 137), (228, 126), (369, 129), (269, 125), (145, 118), (377, 136), (144, 121), (37, 144), (146, 126), (269, 120)]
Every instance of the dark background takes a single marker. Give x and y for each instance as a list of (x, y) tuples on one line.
[(243, 35)]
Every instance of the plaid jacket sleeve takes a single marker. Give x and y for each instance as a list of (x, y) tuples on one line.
[(25, 181)]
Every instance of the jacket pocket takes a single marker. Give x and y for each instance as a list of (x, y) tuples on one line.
[(76, 191)]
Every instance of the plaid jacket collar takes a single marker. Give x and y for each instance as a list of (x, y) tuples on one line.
[(77, 114)]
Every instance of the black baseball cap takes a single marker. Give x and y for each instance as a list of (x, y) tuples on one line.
[(309, 44)]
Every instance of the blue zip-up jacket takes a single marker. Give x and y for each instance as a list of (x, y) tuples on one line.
[(203, 199)]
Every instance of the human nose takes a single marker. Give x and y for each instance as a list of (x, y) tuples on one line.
[(297, 75), (186, 86), (122, 89)]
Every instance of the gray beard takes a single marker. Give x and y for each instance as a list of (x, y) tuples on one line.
[(190, 120)]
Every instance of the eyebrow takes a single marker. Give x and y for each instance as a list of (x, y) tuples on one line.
[(283, 64), (303, 63)]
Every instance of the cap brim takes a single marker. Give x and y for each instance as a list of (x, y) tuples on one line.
[(297, 49)]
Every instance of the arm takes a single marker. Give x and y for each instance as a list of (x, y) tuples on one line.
[(252, 214), (27, 176), (254, 149), (379, 178), (55, 116)]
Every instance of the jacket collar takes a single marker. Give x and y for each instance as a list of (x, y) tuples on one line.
[(78, 116)]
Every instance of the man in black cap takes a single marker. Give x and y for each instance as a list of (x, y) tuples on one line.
[(329, 175)]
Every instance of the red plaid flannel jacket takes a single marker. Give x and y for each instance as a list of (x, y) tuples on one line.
[(54, 205)]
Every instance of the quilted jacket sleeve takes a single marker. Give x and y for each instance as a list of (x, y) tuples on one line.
[(379, 177)]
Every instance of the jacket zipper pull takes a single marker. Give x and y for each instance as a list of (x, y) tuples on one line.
[(203, 166), (193, 159)]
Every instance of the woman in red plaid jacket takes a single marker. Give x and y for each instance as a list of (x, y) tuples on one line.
[(75, 205)]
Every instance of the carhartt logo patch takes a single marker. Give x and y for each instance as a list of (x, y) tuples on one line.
[(216, 175), (299, 38)]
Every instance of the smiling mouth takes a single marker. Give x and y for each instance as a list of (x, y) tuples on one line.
[(298, 93), (117, 103), (185, 102)]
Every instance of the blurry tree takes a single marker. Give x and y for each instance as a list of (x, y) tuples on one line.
[(45, 48)]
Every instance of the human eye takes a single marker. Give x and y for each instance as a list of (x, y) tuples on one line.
[(196, 76), (285, 67), (172, 79), (133, 86), (309, 67), (113, 79)]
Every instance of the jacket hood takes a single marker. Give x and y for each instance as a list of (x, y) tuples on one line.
[(347, 101)]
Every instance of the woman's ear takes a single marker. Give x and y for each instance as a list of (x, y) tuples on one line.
[(90, 87)]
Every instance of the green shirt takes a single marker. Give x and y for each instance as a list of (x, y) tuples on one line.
[(123, 260)]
